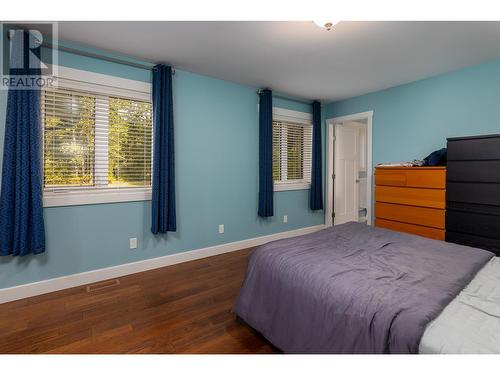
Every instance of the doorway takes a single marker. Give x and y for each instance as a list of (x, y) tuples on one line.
[(349, 165)]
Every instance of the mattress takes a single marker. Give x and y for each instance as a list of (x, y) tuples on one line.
[(471, 322)]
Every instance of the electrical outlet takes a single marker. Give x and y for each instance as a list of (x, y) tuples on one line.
[(221, 228), (285, 219), (133, 243)]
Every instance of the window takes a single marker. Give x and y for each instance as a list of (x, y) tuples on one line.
[(292, 150), (97, 146)]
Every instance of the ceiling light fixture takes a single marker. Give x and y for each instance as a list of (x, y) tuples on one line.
[(326, 24)]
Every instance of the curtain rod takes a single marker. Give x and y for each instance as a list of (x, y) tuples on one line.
[(102, 57), (99, 56), (305, 101)]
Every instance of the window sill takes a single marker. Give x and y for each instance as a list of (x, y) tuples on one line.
[(77, 198), (284, 186)]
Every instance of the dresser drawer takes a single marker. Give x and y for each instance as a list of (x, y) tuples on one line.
[(436, 234), (473, 208), (474, 171), (390, 177), (432, 198), (491, 244), (473, 223), (471, 192), (411, 177), (473, 148), (430, 217)]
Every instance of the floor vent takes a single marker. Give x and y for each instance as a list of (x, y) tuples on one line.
[(102, 285)]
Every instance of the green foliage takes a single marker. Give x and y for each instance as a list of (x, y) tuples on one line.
[(293, 145), (276, 151), (295, 140), (70, 141), (129, 143)]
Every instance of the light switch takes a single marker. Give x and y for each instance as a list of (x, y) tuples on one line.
[(133, 243)]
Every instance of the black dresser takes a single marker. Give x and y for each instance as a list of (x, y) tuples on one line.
[(473, 192)]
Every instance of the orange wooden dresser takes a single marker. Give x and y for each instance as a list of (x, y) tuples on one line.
[(411, 199)]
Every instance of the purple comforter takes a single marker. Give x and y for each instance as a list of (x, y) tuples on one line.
[(353, 289)]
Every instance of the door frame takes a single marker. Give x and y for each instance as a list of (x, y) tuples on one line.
[(330, 131)]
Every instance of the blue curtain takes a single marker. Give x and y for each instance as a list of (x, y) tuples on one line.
[(266, 153), (316, 192), (21, 199), (163, 217)]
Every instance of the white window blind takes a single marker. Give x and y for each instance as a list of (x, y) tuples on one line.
[(94, 141), (292, 153)]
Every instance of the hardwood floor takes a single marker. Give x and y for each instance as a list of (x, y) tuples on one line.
[(185, 308)]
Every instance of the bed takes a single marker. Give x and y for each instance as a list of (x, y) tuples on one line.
[(354, 288)]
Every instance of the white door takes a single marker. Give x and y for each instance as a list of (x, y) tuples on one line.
[(346, 170)]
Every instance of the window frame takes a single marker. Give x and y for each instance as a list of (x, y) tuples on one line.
[(296, 117), (106, 85)]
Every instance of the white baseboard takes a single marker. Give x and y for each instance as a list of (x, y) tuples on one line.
[(70, 281)]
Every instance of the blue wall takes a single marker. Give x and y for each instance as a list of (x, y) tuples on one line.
[(412, 120), (216, 140)]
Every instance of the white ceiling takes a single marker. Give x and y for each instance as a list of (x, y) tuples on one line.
[(299, 58)]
